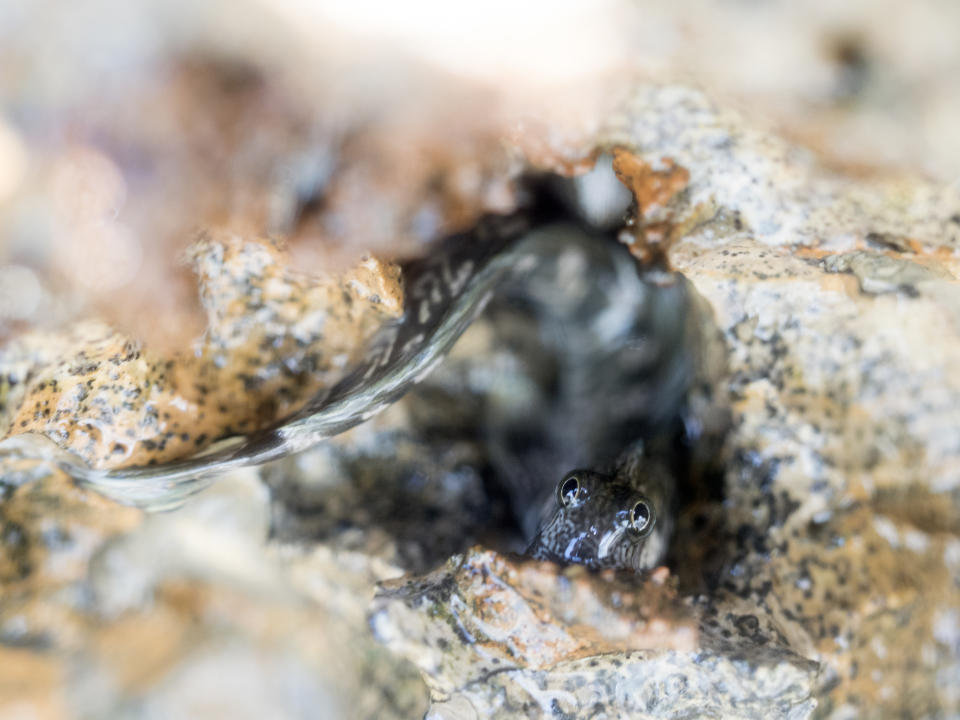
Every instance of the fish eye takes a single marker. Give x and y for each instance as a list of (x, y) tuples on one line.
[(642, 517), (570, 491)]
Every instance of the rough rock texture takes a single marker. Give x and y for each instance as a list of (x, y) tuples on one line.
[(500, 639), (273, 338), (105, 196), (841, 507), (836, 535)]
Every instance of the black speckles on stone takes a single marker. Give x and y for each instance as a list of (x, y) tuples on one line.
[(675, 685), (749, 536), (558, 712), (747, 625), (38, 642), (250, 382), (16, 547)]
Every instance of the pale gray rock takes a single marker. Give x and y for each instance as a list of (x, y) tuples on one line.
[(495, 638), (841, 498)]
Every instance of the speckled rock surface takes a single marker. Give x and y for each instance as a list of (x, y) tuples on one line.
[(499, 638), (841, 507), (273, 338), (837, 531)]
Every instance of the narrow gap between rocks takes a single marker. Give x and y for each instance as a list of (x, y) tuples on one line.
[(566, 368)]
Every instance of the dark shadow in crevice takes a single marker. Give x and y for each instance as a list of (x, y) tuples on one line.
[(569, 365)]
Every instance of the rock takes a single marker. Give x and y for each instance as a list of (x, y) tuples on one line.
[(841, 496), (273, 338), (499, 638), (105, 611), (818, 567)]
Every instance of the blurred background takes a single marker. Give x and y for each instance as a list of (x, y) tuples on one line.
[(124, 128)]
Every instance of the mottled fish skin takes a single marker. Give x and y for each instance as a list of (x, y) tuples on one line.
[(597, 525)]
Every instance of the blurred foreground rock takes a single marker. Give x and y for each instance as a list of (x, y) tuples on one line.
[(106, 612)]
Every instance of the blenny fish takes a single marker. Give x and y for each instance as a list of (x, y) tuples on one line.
[(617, 520), (622, 520)]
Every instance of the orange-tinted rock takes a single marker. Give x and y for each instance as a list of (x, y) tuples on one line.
[(274, 337)]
